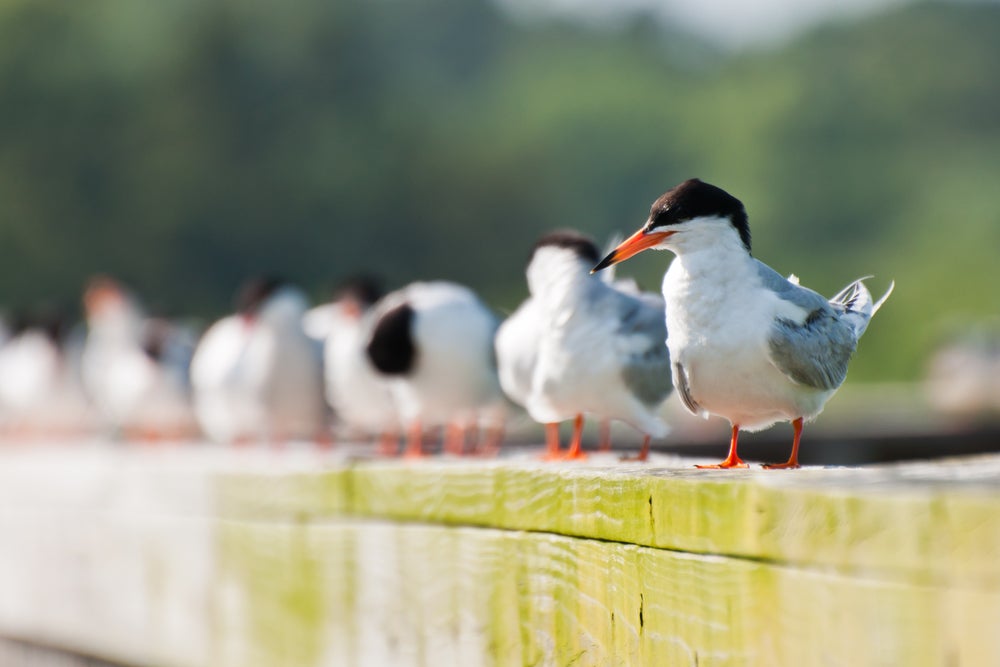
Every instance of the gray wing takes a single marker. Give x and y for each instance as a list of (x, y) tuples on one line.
[(816, 352), (803, 297), (642, 333), (684, 390)]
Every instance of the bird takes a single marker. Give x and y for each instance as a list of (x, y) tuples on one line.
[(135, 367), (746, 343), (360, 398), (432, 342), (516, 349), (517, 343), (256, 375), (598, 350), (40, 389), (516, 346)]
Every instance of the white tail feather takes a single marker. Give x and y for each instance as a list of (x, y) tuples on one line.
[(856, 302), (878, 304)]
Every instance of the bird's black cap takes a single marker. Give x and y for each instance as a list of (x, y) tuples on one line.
[(363, 288), (696, 199), (580, 244), (255, 291)]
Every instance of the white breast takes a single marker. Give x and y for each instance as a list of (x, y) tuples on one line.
[(718, 323)]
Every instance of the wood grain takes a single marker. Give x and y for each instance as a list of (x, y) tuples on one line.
[(209, 559)]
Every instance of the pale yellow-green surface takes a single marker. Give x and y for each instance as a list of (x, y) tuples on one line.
[(208, 558)]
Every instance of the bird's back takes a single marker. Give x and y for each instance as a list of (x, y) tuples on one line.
[(436, 340), (353, 389), (517, 351)]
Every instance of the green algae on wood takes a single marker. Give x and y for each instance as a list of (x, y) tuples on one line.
[(428, 595), (914, 519), (509, 562)]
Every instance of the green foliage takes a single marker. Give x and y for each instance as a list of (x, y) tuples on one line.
[(184, 145)]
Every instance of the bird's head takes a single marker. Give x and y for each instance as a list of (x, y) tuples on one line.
[(270, 299), (561, 255), (357, 294), (692, 211)]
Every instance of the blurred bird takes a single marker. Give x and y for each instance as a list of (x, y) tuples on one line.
[(598, 350), (433, 341), (516, 345), (358, 395), (40, 390), (135, 368), (319, 321), (746, 343), (256, 375), (964, 374)]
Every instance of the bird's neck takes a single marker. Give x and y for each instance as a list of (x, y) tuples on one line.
[(705, 279), (559, 283), (713, 257)]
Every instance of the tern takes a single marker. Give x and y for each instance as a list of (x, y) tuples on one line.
[(746, 343), (40, 388), (256, 374), (517, 354), (433, 343), (599, 350), (134, 367), (355, 391)]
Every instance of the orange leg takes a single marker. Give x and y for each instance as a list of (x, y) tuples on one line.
[(552, 442), (243, 441), (604, 442), (454, 439), (490, 445), (388, 443), (472, 436), (576, 444), (643, 454), (644, 451), (324, 439), (732, 460), (793, 460), (414, 441)]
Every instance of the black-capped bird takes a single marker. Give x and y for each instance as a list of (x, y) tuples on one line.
[(745, 343)]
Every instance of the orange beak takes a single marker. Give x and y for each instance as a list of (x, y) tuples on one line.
[(633, 245)]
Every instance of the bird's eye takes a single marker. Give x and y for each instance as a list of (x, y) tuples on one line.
[(664, 217)]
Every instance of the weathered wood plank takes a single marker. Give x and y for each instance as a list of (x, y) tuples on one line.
[(433, 595), (177, 559), (932, 520), (367, 593)]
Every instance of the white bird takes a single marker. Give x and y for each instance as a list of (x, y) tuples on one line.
[(517, 353), (433, 341), (516, 346), (135, 368), (516, 349), (257, 375), (747, 344), (599, 350), (357, 393), (40, 390)]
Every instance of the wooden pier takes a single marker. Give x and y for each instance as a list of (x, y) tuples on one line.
[(199, 557)]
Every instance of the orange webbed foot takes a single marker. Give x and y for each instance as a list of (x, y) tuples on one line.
[(725, 465), (787, 465)]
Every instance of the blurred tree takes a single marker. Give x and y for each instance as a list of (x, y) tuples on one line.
[(184, 145)]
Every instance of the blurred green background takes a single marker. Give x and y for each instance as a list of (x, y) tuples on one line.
[(183, 145)]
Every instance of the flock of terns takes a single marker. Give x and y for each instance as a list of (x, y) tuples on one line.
[(730, 336)]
